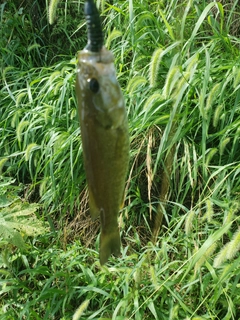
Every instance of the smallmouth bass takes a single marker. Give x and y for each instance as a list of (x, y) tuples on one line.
[(104, 133)]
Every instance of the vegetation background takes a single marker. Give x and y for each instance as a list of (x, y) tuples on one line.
[(178, 63)]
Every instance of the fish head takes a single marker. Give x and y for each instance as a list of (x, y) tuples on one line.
[(100, 94)]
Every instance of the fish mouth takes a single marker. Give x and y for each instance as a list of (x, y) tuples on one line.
[(103, 56), (94, 27)]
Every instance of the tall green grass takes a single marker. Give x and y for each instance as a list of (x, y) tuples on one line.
[(178, 65), (180, 278)]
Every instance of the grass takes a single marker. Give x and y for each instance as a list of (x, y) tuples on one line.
[(178, 65), (175, 278)]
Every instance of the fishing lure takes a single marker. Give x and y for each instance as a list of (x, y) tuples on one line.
[(104, 132), (94, 28)]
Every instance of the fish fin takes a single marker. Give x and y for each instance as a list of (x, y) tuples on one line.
[(109, 243), (94, 210)]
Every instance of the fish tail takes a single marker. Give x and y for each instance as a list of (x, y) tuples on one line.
[(109, 243)]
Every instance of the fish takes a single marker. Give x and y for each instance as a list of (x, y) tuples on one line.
[(104, 133)]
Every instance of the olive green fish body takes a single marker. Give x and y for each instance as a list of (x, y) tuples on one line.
[(105, 142)]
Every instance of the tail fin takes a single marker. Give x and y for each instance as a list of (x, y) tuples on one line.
[(109, 243)]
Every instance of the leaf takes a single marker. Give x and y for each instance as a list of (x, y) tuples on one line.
[(7, 200), (11, 235), (19, 219)]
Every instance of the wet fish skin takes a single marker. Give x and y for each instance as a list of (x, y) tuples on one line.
[(105, 142)]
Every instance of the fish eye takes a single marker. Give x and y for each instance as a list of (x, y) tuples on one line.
[(93, 85)]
